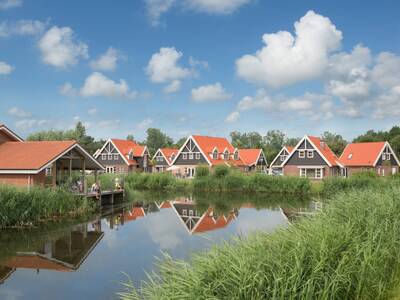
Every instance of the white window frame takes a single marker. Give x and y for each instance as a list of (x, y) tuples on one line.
[(116, 156), (310, 154), (215, 154), (302, 154), (198, 156), (103, 156), (226, 155), (303, 172), (184, 212), (191, 156), (282, 157), (383, 156), (320, 175), (184, 156), (236, 155), (109, 156), (388, 156), (191, 213)]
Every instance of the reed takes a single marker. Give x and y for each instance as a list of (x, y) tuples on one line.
[(348, 251), (19, 207)]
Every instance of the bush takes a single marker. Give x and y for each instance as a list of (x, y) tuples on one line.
[(221, 171), (348, 251), (202, 171), (18, 206)]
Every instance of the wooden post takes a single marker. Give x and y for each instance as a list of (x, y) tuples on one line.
[(96, 177), (54, 174), (70, 168), (84, 176)]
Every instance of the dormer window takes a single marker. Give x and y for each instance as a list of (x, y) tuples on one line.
[(215, 154), (226, 155), (350, 156), (236, 155)]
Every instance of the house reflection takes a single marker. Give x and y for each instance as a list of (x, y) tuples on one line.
[(293, 214), (64, 254)]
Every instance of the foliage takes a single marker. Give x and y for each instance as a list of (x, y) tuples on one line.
[(157, 139), (348, 251), (202, 171), (130, 137), (335, 141), (18, 206), (246, 140), (221, 171)]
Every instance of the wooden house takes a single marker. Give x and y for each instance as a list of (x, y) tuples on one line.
[(276, 166), (163, 159)]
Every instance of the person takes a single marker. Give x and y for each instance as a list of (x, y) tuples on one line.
[(95, 189), (117, 184)]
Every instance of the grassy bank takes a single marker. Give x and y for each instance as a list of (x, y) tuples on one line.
[(222, 179), (19, 207), (348, 251)]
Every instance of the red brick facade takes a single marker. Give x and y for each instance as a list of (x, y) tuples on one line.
[(23, 180)]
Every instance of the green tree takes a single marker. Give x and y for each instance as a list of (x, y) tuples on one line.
[(335, 141), (157, 139), (130, 137), (180, 142)]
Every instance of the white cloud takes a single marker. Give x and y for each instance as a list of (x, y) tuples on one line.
[(107, 61), (386, 71), (68, 90), (60, 49), (22, 27), (18, 112), (195, 63), (173, 87), (388, 104), (211, 92), (286, 59), (26, 124), (92, 111), (156, 8), (5, 68), (98, 85), (218, 7), (232, 117), (145, 124), (163, 68), (7, 4)]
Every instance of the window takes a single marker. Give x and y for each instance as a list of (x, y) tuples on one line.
[(197, 156), (384, 156), (48, 171), (310, 153), (282, 157), (318, 173), (115, 156), (190, 212), (184, 156), (103, 157), (303, 172), (159, 158), (184, 212), (172, 157), (226, 155), (236, 155), (215, 154), (190, 155), (302, 154), (110, 156), (388, 156)]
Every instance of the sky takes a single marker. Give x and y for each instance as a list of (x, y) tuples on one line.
[(200, 66)]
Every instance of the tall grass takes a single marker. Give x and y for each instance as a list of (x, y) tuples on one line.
[(18, 206), (348, 251)]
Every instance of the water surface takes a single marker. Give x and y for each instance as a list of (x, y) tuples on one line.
[(85, 259)]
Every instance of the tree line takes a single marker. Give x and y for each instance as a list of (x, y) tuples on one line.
[(272, 142)]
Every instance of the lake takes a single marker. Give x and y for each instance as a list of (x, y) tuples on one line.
[(85, 259)]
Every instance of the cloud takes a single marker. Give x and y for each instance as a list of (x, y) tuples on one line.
[(5, 68), (173, 87), (386, 71), (18, 112), (59, 48), (92, 111), (388, 104), (314, 106), (163, 68), (98, 85), (286, 59), (156, 8), (107, 61), (22, 27), (216, 7), (26, 124), (145, 124), (195, 63), (232, 117), (8, 4), (211, 92), (68, 90)]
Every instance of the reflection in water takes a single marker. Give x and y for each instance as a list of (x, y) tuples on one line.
[(138, 232)]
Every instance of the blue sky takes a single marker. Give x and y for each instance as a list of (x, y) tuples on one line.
[(200, 66)]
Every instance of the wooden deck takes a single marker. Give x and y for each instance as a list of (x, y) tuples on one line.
[(106, 197)]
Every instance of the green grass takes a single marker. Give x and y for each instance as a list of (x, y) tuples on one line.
[(348, 251), (19, 207)]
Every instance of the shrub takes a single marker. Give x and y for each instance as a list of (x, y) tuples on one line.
[(202, 171), (221, 171)]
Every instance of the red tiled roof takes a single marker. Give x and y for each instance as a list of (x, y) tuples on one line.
[(125, 146), (209, 223), (207, 144), (31, 155), (166, 204), (35, 262), (289, 148), (324, 150), (168, 152), (361, 154), (249, 156), (134, 213)]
